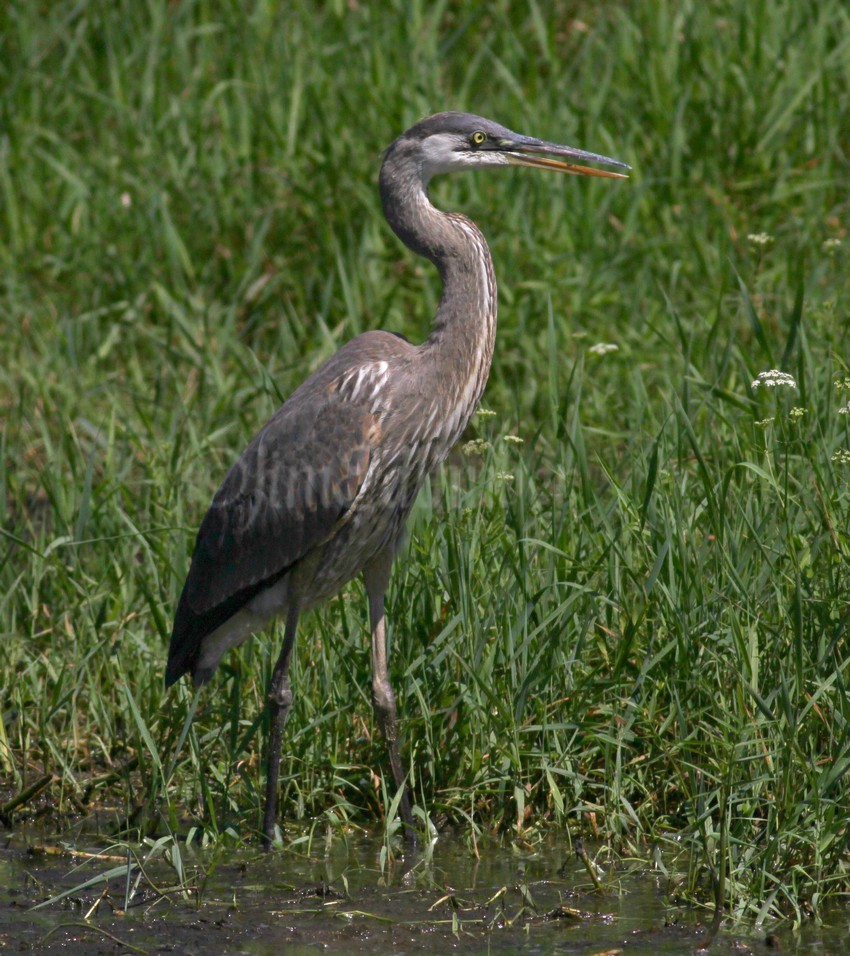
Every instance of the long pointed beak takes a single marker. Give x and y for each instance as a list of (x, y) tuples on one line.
[(526, 151)]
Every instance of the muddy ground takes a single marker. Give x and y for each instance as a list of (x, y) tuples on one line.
[(337, 897)]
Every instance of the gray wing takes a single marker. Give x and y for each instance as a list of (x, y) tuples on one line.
[(284, 496)]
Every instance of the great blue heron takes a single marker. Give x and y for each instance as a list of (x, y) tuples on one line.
[(322, 492)]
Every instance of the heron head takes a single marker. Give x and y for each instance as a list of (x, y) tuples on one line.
[(449, 142)]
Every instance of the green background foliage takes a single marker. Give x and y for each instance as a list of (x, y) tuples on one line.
[(632, 622)]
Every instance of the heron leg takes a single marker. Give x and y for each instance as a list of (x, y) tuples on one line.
[(376, 576), (279, 702)]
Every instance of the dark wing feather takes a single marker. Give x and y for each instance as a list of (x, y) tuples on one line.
[(283, 497)]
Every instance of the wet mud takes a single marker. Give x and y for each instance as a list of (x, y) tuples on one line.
[(337, 897)]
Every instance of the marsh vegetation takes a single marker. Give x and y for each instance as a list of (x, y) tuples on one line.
[(623, 606)]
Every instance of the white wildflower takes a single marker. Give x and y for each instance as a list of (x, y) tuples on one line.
[(842, 457), (773, 378), (759, 239), (475, 447), (504, 476), (513, 439), (485, 413), (603, 348), (126, 200), (831, 246), (843, 385), (763, 423), (844, 410), (797, 412)]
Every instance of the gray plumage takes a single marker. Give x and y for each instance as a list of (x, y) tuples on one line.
[(322, 492)]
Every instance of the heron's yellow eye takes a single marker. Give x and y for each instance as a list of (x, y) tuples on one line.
[(478, 137)]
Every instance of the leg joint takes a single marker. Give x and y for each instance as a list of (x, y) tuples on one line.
[(383, 698), (282, 696)]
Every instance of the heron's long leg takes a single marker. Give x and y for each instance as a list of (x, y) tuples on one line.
[(279, 702), (376, 576)]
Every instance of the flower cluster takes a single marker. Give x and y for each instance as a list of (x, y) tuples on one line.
[(773, 378), (603, 348), (475, 447), (759, 239)]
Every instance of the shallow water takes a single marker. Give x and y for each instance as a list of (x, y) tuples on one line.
[(337, 898)]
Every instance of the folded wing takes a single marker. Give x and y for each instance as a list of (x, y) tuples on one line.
[(286, 495)]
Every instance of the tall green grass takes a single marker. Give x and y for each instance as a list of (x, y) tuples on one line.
[(632, 622)]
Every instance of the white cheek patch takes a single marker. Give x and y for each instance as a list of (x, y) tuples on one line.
[(448, 152), (440, 153)]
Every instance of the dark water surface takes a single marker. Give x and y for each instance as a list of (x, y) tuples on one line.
[(336, 897)]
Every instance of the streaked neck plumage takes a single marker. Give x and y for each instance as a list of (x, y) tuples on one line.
[(460, 346)]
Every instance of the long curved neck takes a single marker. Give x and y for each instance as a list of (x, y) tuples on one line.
[(460, 345)]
